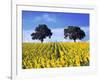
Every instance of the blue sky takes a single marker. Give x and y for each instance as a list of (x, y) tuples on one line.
[(56, 21)]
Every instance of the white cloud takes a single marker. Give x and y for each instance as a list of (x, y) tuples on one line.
[(85, 28), (27, 36), (87, 31), (58, 36), (49, 18), (45, 17)]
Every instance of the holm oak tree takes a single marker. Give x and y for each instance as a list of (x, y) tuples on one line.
[(41, 32), (74, 33)]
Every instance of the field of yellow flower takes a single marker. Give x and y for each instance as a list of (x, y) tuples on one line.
[(55, 54)]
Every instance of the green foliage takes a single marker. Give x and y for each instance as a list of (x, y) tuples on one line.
[(41, 32), (74, 32)]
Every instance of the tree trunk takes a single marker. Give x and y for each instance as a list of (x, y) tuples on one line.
[(74, 40), (41, 40)]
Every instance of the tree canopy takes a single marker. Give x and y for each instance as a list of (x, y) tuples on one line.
[(41, 32), (74, 32)]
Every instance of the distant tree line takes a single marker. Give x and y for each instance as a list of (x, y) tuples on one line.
[(72, 32)]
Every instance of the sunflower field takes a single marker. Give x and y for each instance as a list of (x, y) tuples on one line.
[(55, 54)]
